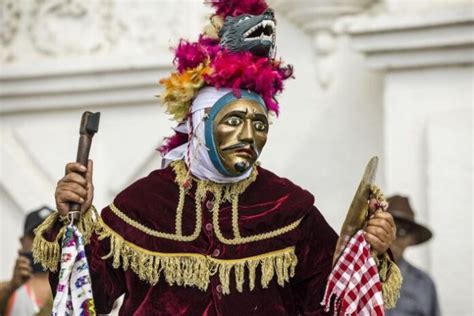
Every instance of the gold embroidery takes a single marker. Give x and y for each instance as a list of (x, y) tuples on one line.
[(230, 193), (155, 233), (221, 192), (235, 217), (237, 240), (191, 269)]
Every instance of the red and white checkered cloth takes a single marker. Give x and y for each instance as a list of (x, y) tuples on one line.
[(354, 286)]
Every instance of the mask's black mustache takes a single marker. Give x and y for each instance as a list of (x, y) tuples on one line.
[(235, 146), (242, 145)]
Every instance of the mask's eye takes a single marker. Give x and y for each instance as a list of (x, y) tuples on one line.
[(244, 18), (260, 126), (233, 121)]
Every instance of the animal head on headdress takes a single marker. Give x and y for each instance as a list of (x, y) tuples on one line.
[(247, 32), (235, 51)]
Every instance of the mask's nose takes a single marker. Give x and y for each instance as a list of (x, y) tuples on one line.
[(247, 134)]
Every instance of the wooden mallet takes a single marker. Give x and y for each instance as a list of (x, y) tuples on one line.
[(89, 126)]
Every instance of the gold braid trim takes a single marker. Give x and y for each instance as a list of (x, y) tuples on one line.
[(222, 193), (154, 233), (192, 269), (391, 279), (230, 191), (47, 252)]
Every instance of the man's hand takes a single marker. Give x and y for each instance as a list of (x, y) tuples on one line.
[(74, 187), (21, 273), (381, 230)]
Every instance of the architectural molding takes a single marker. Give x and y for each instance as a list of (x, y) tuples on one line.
[(429, 38), (317, 19), (9, 24), (66, 87), (319, 15), (46, 30)]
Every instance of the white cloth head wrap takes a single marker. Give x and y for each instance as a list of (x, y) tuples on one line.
[(197, 158)]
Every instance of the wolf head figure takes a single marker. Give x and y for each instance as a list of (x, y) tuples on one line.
[(246, 32)]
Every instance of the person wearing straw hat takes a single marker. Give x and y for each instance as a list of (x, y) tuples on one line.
[(418, 292)]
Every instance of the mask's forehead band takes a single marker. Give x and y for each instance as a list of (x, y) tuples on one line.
[(209, 125)]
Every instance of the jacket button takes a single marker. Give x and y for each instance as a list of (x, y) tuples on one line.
[(216, 253), (208, 227), (219, 288), (209, 205)]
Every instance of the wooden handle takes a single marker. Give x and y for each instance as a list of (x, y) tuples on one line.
[(89, 126), (83, 149)]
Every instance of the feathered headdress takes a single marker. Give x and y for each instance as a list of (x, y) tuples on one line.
[(234, 51)]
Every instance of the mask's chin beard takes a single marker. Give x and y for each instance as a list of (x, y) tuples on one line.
[(242, 166)]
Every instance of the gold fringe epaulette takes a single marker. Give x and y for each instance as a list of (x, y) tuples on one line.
[(190, 269), (391, 279), (44, 251), (47, 252)]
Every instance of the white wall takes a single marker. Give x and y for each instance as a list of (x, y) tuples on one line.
[(325, 136), (428, 137), (426, 53)]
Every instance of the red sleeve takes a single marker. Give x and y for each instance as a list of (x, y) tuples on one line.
[(314, 252)]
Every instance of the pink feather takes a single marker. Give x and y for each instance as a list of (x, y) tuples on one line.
[(245, 71), (189, 55), (172, 142), (237, 7)]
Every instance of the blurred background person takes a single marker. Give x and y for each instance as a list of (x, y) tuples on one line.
[(418, 293), (28, 292)]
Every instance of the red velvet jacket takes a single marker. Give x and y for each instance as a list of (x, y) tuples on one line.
[(269, 203)]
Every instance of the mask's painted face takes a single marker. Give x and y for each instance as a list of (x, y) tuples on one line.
[(240, 131)]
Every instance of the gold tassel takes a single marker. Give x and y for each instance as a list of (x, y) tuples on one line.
[(224, 277), (391, 278), (44, 251), (87, 223), (239, 276), (48, 253), (190, 269), (391, 286), (252, 266)]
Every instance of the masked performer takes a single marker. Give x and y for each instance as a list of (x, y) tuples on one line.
[(212, 233)]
